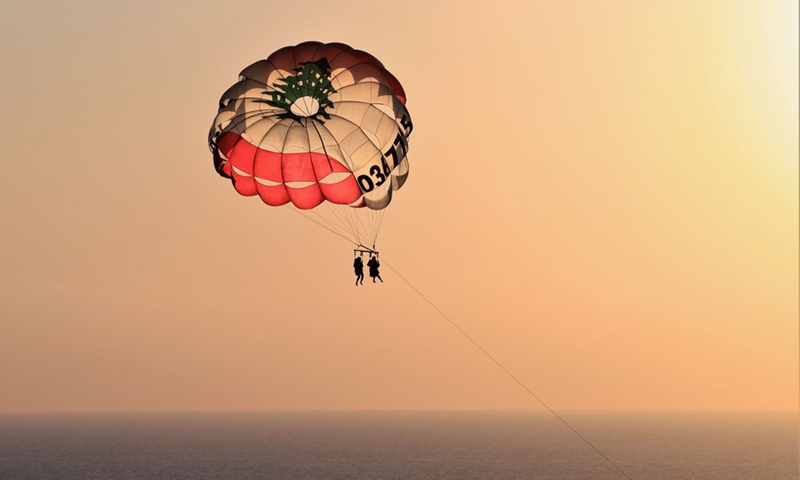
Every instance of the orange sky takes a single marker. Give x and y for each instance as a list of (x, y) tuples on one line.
[(603, 194)]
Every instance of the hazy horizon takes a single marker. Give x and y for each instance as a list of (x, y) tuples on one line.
[(414, 445), (311, 410)]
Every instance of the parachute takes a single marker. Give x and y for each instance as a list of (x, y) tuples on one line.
[(320, 128)]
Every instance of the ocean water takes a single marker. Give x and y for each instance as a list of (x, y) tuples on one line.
[(398, 445)]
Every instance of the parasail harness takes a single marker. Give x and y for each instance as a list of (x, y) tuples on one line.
[(360, 250)]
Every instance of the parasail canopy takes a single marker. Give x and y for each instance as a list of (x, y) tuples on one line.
[(321, 128)]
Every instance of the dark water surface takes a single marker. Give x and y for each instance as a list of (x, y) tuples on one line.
[(398, 445)]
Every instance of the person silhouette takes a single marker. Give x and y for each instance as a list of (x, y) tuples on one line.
[(374, 265), (358, 266)]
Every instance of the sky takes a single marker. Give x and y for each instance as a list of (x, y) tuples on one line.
[(604, 195)]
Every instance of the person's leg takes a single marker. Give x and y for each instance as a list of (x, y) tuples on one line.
[(379, 278)]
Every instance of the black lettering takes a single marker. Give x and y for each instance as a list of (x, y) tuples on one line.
[(386, 170), (375, 171), (397, 151), (405, 121), (365, 183), (401, 147), (393, 153)]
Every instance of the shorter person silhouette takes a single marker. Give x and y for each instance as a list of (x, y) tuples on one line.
[(374, 265), (358, 266)]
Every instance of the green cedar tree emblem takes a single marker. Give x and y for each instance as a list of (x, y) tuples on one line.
[(313, 80)]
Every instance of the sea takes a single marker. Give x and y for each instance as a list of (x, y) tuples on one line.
[(401, 445)]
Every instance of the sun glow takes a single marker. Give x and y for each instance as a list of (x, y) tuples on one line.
[(761, 59)]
